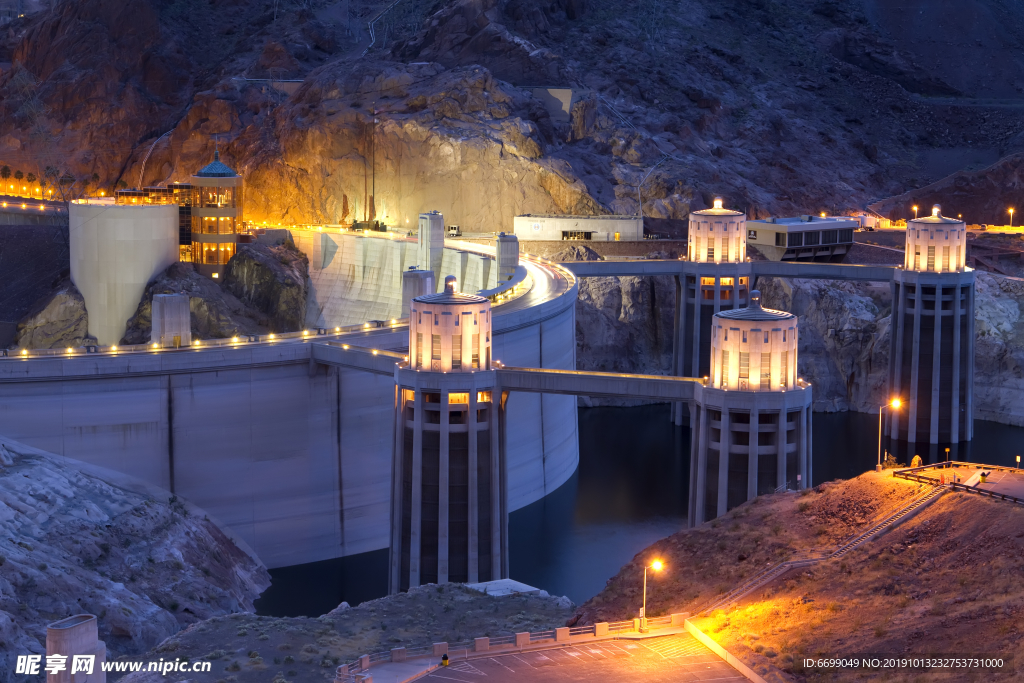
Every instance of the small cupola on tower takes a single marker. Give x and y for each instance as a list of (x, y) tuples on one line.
[(717, 235)]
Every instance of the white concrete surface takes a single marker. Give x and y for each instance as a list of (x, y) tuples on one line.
[(115, 251), (599, 228)]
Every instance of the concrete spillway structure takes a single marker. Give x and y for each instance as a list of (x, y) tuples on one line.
[(449, 502), (751, 420), (931, 366)]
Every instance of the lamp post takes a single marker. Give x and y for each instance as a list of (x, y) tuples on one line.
[(895, 404), (915, 211), (1011, 217), (656, 566)]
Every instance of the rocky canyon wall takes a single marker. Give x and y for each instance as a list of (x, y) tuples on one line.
[(73, 541)]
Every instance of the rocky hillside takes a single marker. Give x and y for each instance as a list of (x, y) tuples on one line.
[(252, 649), (941, 582), (73, 542), (56, 321), (783, 107), (273, 280)]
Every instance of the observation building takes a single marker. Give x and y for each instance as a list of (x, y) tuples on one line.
[(449, 503), (931, 366), (216, 216), (751, 418)]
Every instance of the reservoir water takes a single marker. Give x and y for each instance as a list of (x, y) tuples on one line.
[(629, 491)]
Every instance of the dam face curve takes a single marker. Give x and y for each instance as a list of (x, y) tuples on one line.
[(294, 456)]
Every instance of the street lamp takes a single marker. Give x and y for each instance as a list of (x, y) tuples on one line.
[(915, 211), (895, 405), (656, 566), (1011, 217)]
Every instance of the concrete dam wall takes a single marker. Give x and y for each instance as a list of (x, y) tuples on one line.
[(355, 278), (293, 456)]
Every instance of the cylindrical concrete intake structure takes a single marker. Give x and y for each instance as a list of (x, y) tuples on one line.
[(751, 420), (931, 360), (717, 235), (450, 501), (936, 244), (116, 250)]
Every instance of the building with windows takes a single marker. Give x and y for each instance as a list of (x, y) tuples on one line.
[(931, 361), (717, 235), (450, 503), (546, 227), (216, 216), (751, 418), (803, 238)]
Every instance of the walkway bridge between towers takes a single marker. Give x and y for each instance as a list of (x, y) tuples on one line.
[(810, 271), (534, 380)]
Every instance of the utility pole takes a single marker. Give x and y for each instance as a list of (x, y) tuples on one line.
[(373, 152)]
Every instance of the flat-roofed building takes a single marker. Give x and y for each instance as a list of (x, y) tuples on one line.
[(588, 228), (803, 238)]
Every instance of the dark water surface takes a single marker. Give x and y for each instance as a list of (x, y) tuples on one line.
[(629, 491)]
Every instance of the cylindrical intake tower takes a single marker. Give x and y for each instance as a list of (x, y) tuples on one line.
[(449, 505), (931, 366), (717, 235), (751, 419), (716, 277)]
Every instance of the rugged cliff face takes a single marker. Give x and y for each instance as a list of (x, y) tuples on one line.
[(72, 542), (56, 321), (215, 312), (782, 107), (273, 280)]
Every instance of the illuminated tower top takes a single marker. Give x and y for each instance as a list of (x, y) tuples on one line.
[(717, 235), (450, 331), (936, 244), (753, 348)]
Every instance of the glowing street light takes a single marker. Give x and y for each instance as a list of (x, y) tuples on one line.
[(895, 405), (1011, 217), (656, 566), (915, 211)]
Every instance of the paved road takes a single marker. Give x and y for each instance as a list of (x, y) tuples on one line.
[(1001, 481), (670, 659)]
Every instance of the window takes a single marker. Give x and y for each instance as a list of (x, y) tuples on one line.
[(408, 395), (917, 257), (456, 349), (931, 259), (725, 369), (765, 337), (829, 236), (744, 365), (476, 351), (743, 280), (420, 350), (846, 235), (958, 264), (744, 336), (483, 397), (711, 250), (811, 238), (576, 235), (783, 336), (726, 281), (707, 282), (785, 368), (766, 370), (780, 239), (458, 398), (945, 259), (796, 239), (435, 348)]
